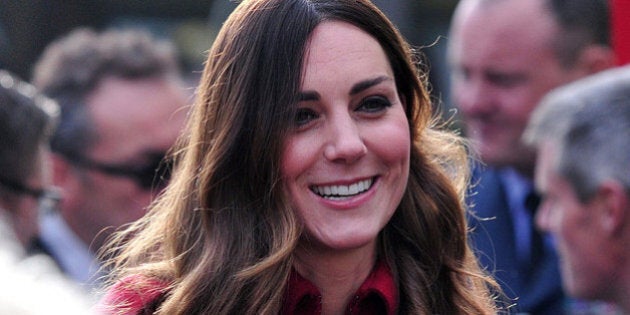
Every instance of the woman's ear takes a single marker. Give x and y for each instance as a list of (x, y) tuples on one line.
[(613, 204)]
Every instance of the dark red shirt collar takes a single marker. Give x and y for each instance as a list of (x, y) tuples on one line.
[(377, 295)]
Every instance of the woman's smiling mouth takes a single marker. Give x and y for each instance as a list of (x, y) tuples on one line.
[(340, 192)]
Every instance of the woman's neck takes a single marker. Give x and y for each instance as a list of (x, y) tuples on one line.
[(338, 275)]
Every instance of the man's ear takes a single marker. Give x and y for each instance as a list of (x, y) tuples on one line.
[(613, 204), (66, 179), (595, 58)]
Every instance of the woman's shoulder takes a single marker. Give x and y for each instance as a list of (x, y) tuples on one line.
[(135, 294)]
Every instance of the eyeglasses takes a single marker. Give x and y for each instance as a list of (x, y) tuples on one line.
[(153, 174), (46, 197)]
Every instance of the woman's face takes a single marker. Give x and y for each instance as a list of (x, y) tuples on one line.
[(346, 164)]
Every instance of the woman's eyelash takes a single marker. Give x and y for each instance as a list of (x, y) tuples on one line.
[(304, 116), (374, 104)]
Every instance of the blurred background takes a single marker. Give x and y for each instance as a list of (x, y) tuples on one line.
[(27, 26)]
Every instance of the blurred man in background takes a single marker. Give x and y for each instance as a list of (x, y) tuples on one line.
[(27, 119), (505, 55), (26, 124), (582, 132), (123, 104)]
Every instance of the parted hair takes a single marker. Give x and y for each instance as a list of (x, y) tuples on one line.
[(223, 233)]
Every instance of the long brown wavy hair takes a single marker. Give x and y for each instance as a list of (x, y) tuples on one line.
[(223, 233)]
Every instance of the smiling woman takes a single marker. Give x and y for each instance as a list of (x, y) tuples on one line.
[(356, 135), (311, 180)]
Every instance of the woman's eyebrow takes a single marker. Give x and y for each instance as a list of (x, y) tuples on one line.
[(357, 88), (366, 84), (308, 96)]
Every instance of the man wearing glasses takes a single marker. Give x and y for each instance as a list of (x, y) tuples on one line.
[(26, 121), (123, 104)]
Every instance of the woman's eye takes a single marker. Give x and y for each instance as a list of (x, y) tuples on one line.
[(304, 116), (374, 104)]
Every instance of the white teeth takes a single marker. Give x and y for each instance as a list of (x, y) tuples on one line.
[(342, 190), (339, 191)]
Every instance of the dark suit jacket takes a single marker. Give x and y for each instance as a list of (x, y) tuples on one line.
[(536, 288)]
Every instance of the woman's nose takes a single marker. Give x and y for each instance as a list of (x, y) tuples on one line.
[(345, 143)]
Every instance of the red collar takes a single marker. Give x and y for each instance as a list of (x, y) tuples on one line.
[(377, 295)]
